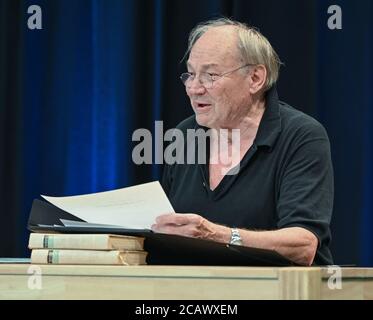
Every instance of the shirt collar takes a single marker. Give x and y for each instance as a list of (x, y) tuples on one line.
[(270, 124)]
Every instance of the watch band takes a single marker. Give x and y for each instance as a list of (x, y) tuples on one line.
[(235, 237)]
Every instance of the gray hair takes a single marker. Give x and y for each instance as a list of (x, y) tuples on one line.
[(254, 47)]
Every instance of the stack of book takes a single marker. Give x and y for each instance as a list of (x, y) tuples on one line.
[(101, 249)]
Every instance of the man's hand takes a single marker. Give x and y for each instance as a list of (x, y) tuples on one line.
[(191, 225), (295, 243)]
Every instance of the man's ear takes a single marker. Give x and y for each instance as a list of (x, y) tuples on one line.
[(258, 77)]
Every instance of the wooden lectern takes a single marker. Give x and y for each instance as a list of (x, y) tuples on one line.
[(22, 281)]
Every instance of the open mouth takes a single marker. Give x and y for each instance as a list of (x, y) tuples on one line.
[(203, 105)]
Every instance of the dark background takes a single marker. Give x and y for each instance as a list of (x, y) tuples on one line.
[(72, 93)]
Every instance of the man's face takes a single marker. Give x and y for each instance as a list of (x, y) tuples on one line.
[(227, 102)]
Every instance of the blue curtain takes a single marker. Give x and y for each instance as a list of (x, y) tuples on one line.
[(344, 105), (72, 94), (78, 99)]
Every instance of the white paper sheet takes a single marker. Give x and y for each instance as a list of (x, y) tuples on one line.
[(132, 208), (72, 223)]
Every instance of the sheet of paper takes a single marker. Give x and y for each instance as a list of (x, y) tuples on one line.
[(132, 208), (71, 223)]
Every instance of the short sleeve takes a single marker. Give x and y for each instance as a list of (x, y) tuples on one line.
[(306, 189)]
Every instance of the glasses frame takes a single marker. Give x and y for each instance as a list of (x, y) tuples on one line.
[(187, 76)]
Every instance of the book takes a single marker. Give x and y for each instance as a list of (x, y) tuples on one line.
[(15, 260), (91, 257), (85, 241)]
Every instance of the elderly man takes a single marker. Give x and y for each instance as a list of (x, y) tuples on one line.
[(282, 196)]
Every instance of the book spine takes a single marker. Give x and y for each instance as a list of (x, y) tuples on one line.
[(45, 256), (50, 241)]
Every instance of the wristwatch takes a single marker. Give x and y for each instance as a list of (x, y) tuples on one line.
[(235, 237)]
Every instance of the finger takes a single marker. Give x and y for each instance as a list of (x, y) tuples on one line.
[(164, 218), (174, 218), (178, 218), (185, 231)]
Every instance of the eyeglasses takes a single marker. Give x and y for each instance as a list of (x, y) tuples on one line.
[(207, 79)]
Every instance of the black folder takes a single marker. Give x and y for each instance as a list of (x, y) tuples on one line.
[(163, 249)]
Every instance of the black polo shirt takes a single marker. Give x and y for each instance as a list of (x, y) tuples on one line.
[(285, 179)]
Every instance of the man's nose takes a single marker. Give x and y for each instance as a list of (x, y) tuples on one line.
[(195, 87)]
